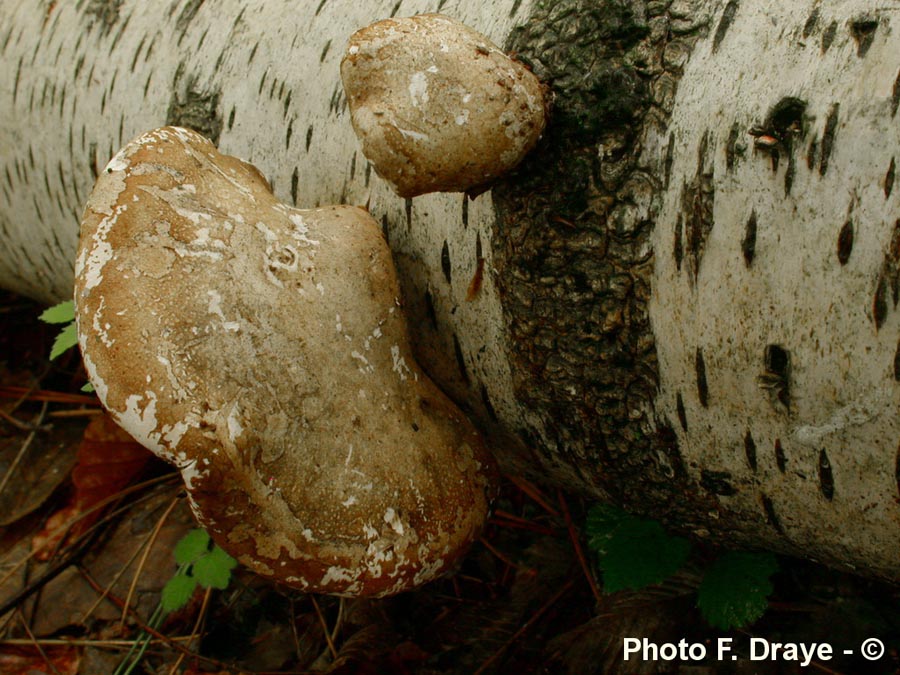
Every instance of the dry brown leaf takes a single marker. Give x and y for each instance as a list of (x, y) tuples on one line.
[(29, 661), (108, 459)]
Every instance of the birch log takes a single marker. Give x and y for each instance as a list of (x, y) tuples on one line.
[(684, 300)]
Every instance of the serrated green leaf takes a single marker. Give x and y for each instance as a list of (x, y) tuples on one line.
[(192, 547), (602, 521), (735, 589), (88, 388), (640, 553), (177, 591), (214, 569), (66, 339), (64, 312)]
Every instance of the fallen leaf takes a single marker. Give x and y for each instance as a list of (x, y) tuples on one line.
[(108, 459), (46, 463), (29, 661)]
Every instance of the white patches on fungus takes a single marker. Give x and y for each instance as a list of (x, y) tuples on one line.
[(337, 574), (233, 423), (399, 366), (90, 264), (366, 367), (418, 89), (392, 519)]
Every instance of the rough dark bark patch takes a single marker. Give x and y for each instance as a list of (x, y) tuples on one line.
[(748, 243), (750, 450), (445, 261), (811, 21), (828, 138), (780, 458), (717, 482), (678, 248), (682, 415), (771, 516), (776, 377), (826, 476), (887, 285), (895, 95), (845, 242), (863, 31), (731, 146), (897, 468), (697, 203), (104, 14), (702, 385), (889, 178), (828, 36), (184, 20), (724, 23), (194, 107), (572, 260)]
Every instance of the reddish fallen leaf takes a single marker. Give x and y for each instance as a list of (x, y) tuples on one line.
[(29, 661), (108, 460)]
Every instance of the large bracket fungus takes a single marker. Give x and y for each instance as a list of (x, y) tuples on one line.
[(263, 351), (439, 107)]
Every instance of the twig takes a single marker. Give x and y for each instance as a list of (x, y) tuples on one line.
[(144, 626), (27, 394), (196, 631), (19, 424), (576, 544), (15, 463), (534, 493), (115, 579), (35, 642), (81, 412), (143, 561), (78, 547), (528, 624), (506, 561), (327, 632), (506, 519), (81, 642)]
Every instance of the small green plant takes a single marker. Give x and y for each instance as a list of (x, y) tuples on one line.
[(63, 313), (200, 563), (635, 552), (735, 588)]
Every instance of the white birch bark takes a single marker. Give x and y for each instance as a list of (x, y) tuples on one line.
[(686, 267)]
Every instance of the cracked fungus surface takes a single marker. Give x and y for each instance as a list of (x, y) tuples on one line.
[(262, 350)]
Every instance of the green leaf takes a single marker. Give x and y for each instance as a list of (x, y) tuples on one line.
[(640, 553), (67, 339), (602, 521), (735, 589), (193, 546), (64, 312), (177, 591), (214, 570), (633, 552), (88, 388)]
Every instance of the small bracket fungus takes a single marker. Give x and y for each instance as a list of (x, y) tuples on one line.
[(262, 350), (439, 107)]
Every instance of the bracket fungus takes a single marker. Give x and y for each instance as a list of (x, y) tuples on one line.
[(437, 106), (263, 351)]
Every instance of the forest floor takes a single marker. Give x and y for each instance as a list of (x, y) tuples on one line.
[(89, 521)]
